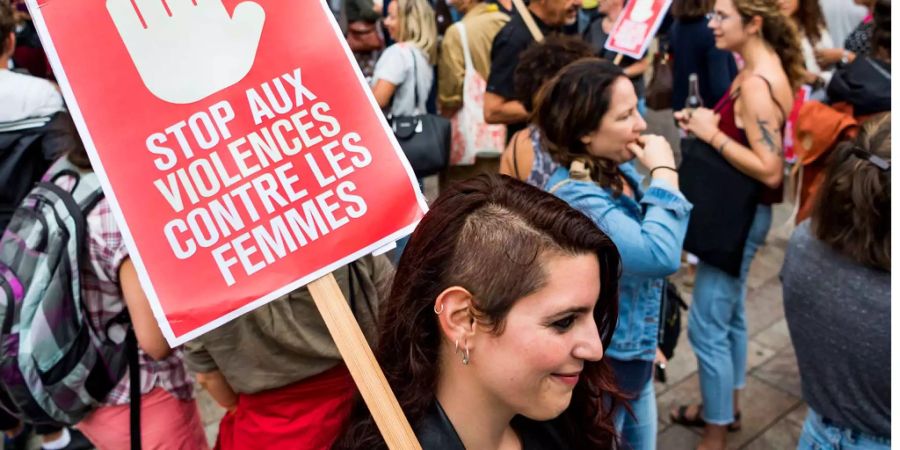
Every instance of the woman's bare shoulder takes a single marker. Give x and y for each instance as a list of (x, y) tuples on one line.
[(770, 83), (518, 157)]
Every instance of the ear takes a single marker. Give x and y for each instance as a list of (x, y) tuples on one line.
[(754, 26), (456, 320), (586, 139), (8, 45)]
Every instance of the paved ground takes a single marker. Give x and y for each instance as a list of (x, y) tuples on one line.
[(772, 411)]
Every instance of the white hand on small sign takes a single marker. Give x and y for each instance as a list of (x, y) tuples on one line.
[(642, 11), (186, 50)]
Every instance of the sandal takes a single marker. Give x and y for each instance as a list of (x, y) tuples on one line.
[(697, 421)]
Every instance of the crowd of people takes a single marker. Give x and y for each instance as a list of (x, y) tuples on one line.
[(524, 310)]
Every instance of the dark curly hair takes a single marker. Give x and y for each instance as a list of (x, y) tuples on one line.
[(570, 106), (541, 61), (489, 221)]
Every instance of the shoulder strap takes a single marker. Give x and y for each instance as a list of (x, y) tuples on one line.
[(878, 68), (415, 75), (529, 21), (772, 95), (515, 154), (737, 93), (464, 39), (134, 374)]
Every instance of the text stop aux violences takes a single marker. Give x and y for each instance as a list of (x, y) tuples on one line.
[(298, 124)]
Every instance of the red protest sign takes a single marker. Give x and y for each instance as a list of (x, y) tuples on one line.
[(237, 143), (636, 26)]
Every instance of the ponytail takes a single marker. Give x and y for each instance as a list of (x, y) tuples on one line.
[(780, 32)]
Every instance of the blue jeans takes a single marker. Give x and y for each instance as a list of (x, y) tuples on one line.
[(639, 432), (818, 435), (717, 327)]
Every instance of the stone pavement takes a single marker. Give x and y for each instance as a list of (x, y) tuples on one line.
[(772, 411)]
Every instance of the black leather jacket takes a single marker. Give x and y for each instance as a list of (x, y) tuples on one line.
[(436, 432)]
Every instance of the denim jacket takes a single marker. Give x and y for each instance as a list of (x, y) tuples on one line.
[(648, 231)]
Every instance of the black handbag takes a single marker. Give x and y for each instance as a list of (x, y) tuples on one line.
[(424, 138), (670, 306), (659, 90), (724, 201)]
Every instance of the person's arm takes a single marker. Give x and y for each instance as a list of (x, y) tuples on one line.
[(825, 42), (651, 247), (637, 68), (219, 389), (383, 92), (199, 361), (149, 336), (762, 118), (451, 71), (501, 110), (391, 70), (826, 57), (518, 157), (500, 104)]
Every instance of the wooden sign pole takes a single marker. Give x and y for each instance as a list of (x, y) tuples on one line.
[(361, 362)]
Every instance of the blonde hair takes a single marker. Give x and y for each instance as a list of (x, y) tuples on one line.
[(780, 32), (418, 26)]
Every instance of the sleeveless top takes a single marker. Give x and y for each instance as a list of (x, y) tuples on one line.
[(728, 126), (542, 167)]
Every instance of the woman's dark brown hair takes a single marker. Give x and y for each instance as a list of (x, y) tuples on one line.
[(489, 234), (852, 212), (7, 25), (881, 32), (570, 106), (691, 9), (809, 20), (541, 61), (77, 154)]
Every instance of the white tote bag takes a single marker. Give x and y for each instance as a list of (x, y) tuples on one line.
[(471, 136)]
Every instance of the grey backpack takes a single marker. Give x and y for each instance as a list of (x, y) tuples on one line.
[(54, 365)]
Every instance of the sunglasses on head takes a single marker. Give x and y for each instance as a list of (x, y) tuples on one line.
[(871, 158)]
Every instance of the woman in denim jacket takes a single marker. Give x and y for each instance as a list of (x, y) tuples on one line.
[(591, 128)]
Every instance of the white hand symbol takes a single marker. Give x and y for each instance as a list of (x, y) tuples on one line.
[(642, 11), (193, 52)]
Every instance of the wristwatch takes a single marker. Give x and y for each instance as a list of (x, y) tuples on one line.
[(845, 57)]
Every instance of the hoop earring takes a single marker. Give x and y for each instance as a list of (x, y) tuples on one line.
[(438, 311), (456, 347), (465, 358)]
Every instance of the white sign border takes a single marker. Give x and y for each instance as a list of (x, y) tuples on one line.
[(35, 10), (640, 54)]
